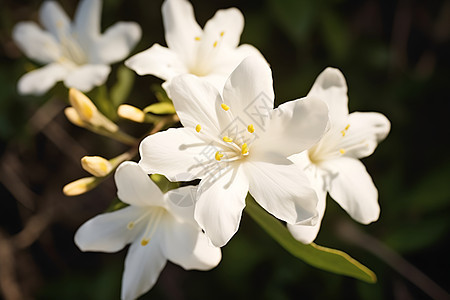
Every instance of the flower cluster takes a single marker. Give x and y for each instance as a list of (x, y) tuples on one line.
[(232, 138)]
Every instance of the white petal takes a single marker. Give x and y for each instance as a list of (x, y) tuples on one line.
[(282, 189), (143, 265), (87, 19), (117, 42), (86, 77), (221, 199), (196, 102), (135, 187), (180, 203), (180, 27), (352, 187), (39, 81), (54, 19), (158, 61), (225, 27), (185, 245), (249, 92), (366, 130), (330, 86), (36, 43), (293, 127), (108, 232), (179, 154)]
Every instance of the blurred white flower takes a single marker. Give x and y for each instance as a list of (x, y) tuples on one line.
[(74, 52), (160, 227), (236, 145), (333, 165), (211, 53)]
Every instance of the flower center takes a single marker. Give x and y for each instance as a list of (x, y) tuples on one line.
[(332, 145), (205, 55), (152, 217), (72, 52)]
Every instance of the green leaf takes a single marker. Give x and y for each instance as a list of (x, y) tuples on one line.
[(320, 257), (161, 108), (122, 88)]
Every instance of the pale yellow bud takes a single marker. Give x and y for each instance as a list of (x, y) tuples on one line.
[(80, 186), (131, 113), (96, 165), (73, 116), (82, 104)]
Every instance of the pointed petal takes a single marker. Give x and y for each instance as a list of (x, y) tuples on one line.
[(134, 187), (108, 232), (37, 44), (225, 27), (249, 92), (86, 77), (158, 61), (294, 126), (39, 81), (221, 200), (196, 102), (180, 203), (331, 87), (143, 265), (179, 154), (117, 42), (180, 27), (54, 19), (352, 187), (87, 19), (282, 189), (366, 130), (185, 245)]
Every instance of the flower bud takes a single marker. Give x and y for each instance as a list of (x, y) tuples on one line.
[(96, 165), (73, 116), (131, 113), (82, 104), (80, 186)]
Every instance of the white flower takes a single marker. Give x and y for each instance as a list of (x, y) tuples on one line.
[(333, 165), (157, 228), (237, 145), (75, 52), (211, 53)]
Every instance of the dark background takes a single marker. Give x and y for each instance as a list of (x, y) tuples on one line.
[(395, 56)]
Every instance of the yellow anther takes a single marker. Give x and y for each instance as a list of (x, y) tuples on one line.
[(227, 139), (250, 128), (346, 127), (225, 107), (244, 149), (215, 44), (222, 33), (342, 151), (144, 242), (130, 225), (218, 156), (197, 38), (198, 128), (343, 132)]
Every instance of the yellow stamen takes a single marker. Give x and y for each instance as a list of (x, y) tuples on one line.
[(198, 128), (197, 38), (342, 151), (218, 156), (225, 107), (346, 127), (343, 132), (130, 225), (244, 149), (250, 128), (227, 139), (215, 44), (144, 242), (222, 33)]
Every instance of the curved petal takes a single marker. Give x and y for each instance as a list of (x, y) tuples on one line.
[(249, 92), (39, 81), (293, 127), (331, 87), (196, 102), (117, 42), (54, 19), (108, 232), (87, 19), (134, 187), (225, 27), (143, 265), (185, 245), (179, 154), (221, 199), (282, 189), (353, 189), (180, 203), (366, 130), (180, 27), (86, 77), (158, 61), (37, 44)]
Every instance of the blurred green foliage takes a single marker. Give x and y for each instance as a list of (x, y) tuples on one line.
[(395, 56)]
